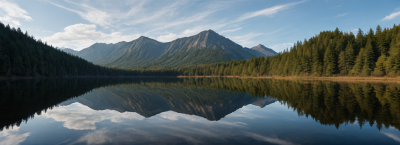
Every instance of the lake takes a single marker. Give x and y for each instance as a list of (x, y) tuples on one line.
[(197, 111)]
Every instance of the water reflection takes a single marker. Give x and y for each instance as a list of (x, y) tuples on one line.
[(149, 100), (197, 111)]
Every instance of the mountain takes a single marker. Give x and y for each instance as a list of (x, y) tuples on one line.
[(264, 50), (70, 51), (205, 47)]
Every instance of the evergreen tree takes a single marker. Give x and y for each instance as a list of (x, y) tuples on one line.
[(349, 56), (329, 61), (358, 66), (360, 42), (368, 59), (342, 63), (380, 69), (317, 64)]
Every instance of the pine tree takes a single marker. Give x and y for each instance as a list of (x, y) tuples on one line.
[(380, 68), (342, 63), (360, 42), (329, 63), (349, 56), (368, 59), (317, 65), (359, 63), (393, 63)]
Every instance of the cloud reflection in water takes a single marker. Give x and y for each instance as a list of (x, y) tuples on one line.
[(167, 127)]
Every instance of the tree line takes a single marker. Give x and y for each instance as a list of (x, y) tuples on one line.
[(331, 53)]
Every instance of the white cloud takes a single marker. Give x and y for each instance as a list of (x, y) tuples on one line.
[(198, 29), (167, 38), (91, 14), (96, 137), (393, 136), (354, 31), (173, 116), (156, 17), (187, 20), (164, 128), (232, 30), (79, 36), (13, 13), (341, 15), (80, 117), (392, 16), (12, 136), (269, 139), (145, 16), (281, 46), (245, 39), (275, 31), (268, 11)]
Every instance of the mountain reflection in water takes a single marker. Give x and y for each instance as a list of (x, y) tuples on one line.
[(197, 110)]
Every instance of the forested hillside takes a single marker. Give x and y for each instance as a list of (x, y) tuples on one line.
[(331, 53), (23, 55)]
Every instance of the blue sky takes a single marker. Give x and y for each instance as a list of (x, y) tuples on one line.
[(276, 24)]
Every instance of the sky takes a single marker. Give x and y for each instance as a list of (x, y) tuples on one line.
[(77, 24)]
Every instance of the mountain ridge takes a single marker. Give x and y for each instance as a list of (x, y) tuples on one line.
[(144, 52)]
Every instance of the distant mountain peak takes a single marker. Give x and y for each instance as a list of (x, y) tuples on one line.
[(264, 50), (259, 46), (208, 32), (144, 38)]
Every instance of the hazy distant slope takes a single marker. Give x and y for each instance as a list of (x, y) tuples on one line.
[(100, 51), (135, 53), (70, 51)]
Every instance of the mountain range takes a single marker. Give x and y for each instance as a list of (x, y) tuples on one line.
[(205, 47)]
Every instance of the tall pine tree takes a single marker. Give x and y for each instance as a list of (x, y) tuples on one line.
[(369, 59)]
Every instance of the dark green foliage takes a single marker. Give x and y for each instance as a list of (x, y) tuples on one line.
[(349, 56), (329, 61), (369, 62), (22, 55), (330, 53)]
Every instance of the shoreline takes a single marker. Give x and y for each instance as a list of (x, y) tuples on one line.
[(309, 78)]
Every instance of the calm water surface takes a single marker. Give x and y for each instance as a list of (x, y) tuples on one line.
[(197, 111)]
